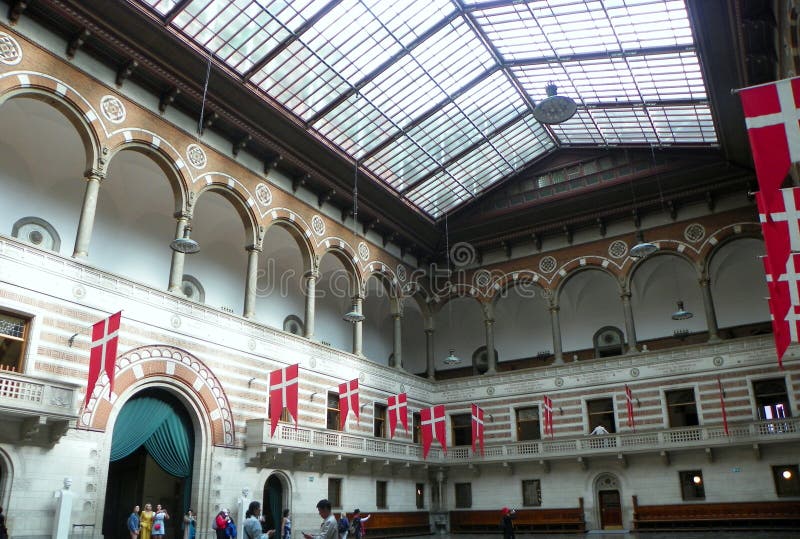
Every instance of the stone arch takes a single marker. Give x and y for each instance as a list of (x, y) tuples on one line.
[(386, 277), (170, 165), (528, 280), (67, 101), (345, 254), (722, 237), (569, 268), (299, 235), (559, 285), (178, 369), (253, 231), (8, 470), (628, 277), (606, 481)]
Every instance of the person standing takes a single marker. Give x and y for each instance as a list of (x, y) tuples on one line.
[(328, 528), (159, 521), (3, 529), (221, 523), (252, 523), (358, 523), (146, 521), (507, 522), (133, 523), (189, 525), (344, 526), (286, 525)]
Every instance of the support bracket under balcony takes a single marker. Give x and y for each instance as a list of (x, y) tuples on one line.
[(622, 459), (665, 458), (709, 454), (757, 451)]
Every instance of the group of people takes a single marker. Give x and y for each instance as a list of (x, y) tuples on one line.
[(149, 523), (331, 528)]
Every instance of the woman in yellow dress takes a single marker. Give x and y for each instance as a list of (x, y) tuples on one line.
[(146, 521)]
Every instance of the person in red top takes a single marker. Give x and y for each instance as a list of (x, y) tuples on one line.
[(221, 522)]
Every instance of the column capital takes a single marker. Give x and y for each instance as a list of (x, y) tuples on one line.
[(704, 281), (359, 297), (312, 274), (95, 174), (554, 308), (430, 331), (254, 248), (397, 316), (183, 214), (625, 295), (488, 321)]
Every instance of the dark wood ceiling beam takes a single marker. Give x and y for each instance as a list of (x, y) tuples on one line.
[(175, 11), (295, 36)]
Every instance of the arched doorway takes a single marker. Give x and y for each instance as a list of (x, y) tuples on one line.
[(608, 501), (276, 499), (152, 452)]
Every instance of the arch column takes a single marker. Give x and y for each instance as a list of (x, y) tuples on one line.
[(429, 360), (251, 282), (358, 301), (630, 328), (311, 298), (178, 258), (488, 323), (708, 306), (556, 326), (86, 222), (397, 318)]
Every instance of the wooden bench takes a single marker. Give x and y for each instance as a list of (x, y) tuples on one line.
[(396, 524), (777, 515), (564, 520)]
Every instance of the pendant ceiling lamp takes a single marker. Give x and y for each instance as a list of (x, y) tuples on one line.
[(554, 109), (185, 244), (681, 313), (354, 315), (452, 358), (642, 248)]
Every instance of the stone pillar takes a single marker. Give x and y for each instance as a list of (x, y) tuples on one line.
[(708, 306), (556, 325), (86, 223), (429, 359), (311, 298), (630, 328), (397, 318), (490, 356), (357, 326), (241, 507), (178, 258), (251, 283)]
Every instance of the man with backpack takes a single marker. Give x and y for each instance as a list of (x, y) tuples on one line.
[(357, 524), (344, 525)]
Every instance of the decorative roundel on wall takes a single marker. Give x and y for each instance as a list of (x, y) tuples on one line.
[(318, 225), (718, 361), (547, 264), (490, 390), (482, 278), (196, 156), (78, 291), (363, 251), (617, 249), (694, 232), (402, 388), (251, 344), (112, 108), (175, 321), (10, 51), (559, 382), (263, 194), (401, 272), (635, 372)]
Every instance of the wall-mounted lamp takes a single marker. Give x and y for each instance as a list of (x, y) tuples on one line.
[(311, 398), (491, 418), (362, 407), (250, 381), (560, 411), (638, 404), (71, 340)]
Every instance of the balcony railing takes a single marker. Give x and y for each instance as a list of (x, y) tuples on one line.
[(26, 395), (333, 442)]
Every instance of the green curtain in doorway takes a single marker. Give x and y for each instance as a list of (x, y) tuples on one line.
[(274, 490), (154, 424)]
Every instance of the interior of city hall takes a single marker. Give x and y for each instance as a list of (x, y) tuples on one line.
[(426, 258)]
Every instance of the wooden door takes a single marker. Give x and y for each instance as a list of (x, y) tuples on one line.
[(610, 510)]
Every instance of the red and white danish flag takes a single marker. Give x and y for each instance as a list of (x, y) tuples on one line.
[(398, 411), (348, 400), (629, 404), (477, 427), (771, 114), (548, 416), (282, 394), (103, 353), (433, 423)]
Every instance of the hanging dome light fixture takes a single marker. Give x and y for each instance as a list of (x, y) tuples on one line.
[(451, 358), (642, 248), (353, 315), (681, 313), (185, 244), (554, 109)]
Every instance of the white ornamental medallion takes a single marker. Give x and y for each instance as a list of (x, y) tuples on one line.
[(547, 264), (618, 249), (694, 232), (112, 108), (263, 194), (10, 51), (196, 156), (318, 225), (363, 251), (401, 272)]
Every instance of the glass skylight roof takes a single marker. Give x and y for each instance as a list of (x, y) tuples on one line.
[(435, 97)]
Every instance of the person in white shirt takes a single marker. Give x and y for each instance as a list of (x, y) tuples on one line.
[(328, 529), (252, 523), (600, 430)]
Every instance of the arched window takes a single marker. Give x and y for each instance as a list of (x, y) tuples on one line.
[(38, 232), (608, 341)]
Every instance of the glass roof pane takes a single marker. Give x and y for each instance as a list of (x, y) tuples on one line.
[(300, 80), (684, 124), (445, 133), (580, 129), (438, 194), (161, 6), (401, 163), (356, 126), (625, 125), (492, 103), (522, 142), (243, 31)]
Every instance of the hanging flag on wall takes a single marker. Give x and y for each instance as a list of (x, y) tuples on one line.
[(433, 424), (629, 404), (548, 416), (722, 405), (477, 427), (282, 394), (103, 353), (398, 411), (348, 400), (771, 114)]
